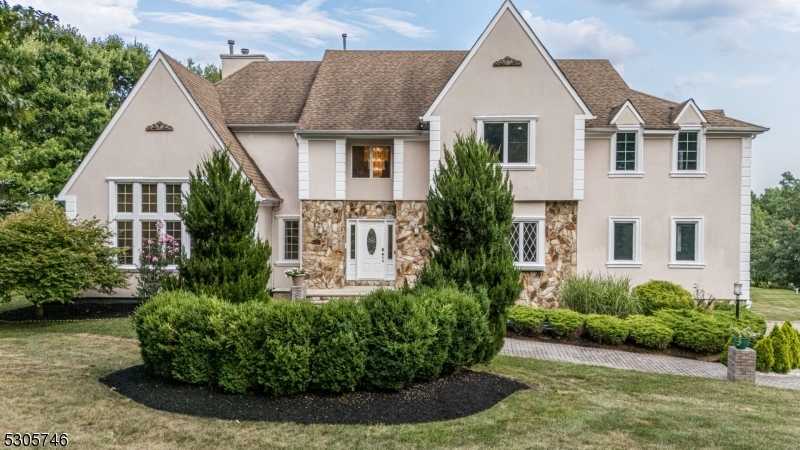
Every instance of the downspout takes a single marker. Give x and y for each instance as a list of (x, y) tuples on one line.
[(272, 255)]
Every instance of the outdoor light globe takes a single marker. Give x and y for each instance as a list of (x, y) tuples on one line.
[(737, 288)]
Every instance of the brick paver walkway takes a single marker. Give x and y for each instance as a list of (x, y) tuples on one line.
[(633, 361)]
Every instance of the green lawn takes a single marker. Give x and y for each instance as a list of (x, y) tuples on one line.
[(775, 304), (48, 382)]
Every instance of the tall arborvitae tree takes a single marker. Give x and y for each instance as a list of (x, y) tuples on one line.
[(470, 218), (220, 213)]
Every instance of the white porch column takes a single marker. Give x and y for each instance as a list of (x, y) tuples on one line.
[(302, 168), (578, 157), (744, 218), (435, 145)]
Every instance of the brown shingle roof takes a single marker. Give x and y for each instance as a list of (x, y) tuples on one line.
[(268, 92), (205, 95), (376, 90), (604, 92)]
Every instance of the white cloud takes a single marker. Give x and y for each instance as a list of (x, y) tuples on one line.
[(585, 38), (94, 18), (393, 19), (757, 80)]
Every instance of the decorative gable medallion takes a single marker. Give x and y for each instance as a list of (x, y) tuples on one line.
[(507, 62), (159, 126)]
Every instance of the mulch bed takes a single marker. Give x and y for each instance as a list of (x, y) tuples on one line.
[(70, 311), (452, 397), (583, 342)]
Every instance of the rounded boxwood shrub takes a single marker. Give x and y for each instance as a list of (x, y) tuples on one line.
[(400, 334), (657, 294), (565, 323), (440, 312), (340, 350), (606, 329), (526, 320), (285, 357), (649, 331), (177, 337), (241, 336)]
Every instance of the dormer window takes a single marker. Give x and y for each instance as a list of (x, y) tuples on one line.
[(687, 150), (626, 153), (688, 153)]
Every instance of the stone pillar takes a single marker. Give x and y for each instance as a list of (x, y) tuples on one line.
[(742, 364)]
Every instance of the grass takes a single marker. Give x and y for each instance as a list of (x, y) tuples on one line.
[(16, 302), (775, 304), (49, 383)]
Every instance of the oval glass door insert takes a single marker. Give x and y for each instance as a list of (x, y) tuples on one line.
[(372, 240)]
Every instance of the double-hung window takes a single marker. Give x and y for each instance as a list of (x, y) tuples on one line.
[(527, 243), (372, 161), (624, 242), (626, 153), (511, 138), (688, 153), (135, 209), (289, 240), (686, 242)]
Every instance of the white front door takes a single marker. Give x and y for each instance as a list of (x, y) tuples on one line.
[(371, 250)]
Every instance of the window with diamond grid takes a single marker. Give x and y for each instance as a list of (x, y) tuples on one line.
[(524, 242)]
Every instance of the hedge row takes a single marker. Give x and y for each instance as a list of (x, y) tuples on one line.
[(387, 341), (698, 330)]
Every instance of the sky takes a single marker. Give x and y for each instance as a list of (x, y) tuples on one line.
[(742, 56)]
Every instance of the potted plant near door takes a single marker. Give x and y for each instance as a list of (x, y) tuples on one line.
[(297, 274), (742, 337)]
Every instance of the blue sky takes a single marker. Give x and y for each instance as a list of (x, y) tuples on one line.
[(739, 55)]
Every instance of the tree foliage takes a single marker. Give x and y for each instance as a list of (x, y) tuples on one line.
[(470, 219), (220, 213), (57, 92), (775, 231), (210, 72), (47, 258)]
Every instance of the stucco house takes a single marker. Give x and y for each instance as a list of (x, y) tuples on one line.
[(342, 151)]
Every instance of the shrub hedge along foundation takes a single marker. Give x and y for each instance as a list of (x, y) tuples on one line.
[(657, 294), (387, 341), (699, 330)]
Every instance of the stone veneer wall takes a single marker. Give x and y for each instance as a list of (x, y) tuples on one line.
[(561, 256), (324, 254)]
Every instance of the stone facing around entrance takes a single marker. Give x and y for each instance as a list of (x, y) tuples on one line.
[(324, 254), (561, 256)]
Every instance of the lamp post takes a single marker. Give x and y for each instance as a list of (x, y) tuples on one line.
[(737, 291)]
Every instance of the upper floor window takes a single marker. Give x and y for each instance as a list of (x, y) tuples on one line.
[(509, 141), (688, 158), (372, 161), (174, 198), (527, 243), (687, 150), (626, 153)]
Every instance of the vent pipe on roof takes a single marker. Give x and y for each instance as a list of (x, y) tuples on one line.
[(230, 45), (245, 51), (344, 41)]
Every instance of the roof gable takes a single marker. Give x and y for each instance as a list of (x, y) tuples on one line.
[(622, 117), (507, 7), (689, 113)]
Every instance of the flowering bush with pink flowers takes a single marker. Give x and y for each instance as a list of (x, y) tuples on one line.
[(154, 260)]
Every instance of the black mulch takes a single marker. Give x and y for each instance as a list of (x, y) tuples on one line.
[(447, 398), (70, 311)]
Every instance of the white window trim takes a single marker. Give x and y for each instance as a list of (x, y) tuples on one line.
[(638, 172), (505, 119), (701, 154), (370, 177), (137, 215), (281, 262), (699, 238), (540, 242), (637, 242)]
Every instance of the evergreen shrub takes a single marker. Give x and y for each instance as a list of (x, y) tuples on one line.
[(657, 294), (794, 343), (606, 329), (781, 350), (340, 352), (565, 323), (649, 331), (765, 355), (526, 320), (285, 366)]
